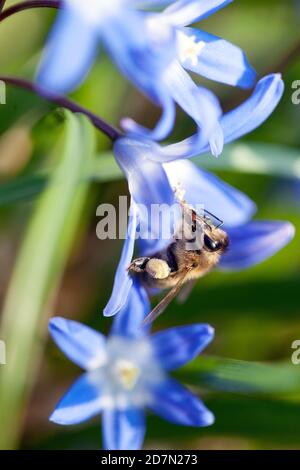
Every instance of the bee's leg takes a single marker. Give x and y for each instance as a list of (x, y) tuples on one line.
[(185, 291), (138, 265)]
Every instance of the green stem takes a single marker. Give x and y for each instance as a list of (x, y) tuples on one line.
[(38, 271)]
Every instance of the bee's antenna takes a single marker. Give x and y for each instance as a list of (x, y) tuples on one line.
[(215, 217)]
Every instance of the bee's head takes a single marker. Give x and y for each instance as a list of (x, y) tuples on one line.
[(215, 241)]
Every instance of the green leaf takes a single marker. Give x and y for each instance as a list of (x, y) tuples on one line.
[(242, 376), (29, 186), (105, 168), (22, 188), (38, 271), (266, 420), (256, 158), (237, 418)]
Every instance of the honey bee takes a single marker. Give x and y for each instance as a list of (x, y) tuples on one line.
[(196, 249)]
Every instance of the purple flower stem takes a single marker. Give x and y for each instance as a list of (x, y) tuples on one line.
[(26, 6), (64, 102)]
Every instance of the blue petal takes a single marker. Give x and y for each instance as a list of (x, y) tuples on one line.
[(177, 346), (216, 141), (70, 52), (148, 184), (255, 242), (199, 103), (129, 320), (123, 429), (242, 120), (254, 111), (177, 404), (142, 55), (163, 126), (219, 60), (150, 3), (185, 12), (81, 344), (203, 188), (187, 148), (123, 281), (81, 402)]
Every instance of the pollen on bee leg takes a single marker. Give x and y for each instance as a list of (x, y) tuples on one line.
[(158, 268)]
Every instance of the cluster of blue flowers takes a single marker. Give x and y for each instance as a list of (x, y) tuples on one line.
[(154, 46)]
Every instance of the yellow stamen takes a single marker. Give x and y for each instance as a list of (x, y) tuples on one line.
[(188, 48), (127, 373)]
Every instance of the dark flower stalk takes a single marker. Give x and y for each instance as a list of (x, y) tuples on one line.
[(99, 123), (26, 6), (64, 102)]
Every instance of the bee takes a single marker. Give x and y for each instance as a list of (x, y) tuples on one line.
[(196, 248)]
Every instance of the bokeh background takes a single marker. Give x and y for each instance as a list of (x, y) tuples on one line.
[(256, 313)]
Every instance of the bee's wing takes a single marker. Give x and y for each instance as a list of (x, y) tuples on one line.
[(203, 222), (162, 305), (210, 222)]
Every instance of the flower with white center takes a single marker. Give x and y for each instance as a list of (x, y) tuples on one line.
[(79, 29), (153, 172), (202, 53), (152, 49), (128, 372)]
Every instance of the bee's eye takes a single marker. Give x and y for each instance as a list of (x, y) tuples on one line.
[(211, 245)]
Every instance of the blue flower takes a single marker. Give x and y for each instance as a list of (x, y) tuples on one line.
[(119, 24), (152, 175), (127, 372), (152, 50), (201, 53), (232, 125), (204, 53)]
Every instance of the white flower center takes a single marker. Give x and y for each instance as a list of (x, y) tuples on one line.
[(127, 373), (189, 48), (159, 30)]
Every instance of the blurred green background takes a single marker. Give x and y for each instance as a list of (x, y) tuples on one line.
[(256, 313)]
